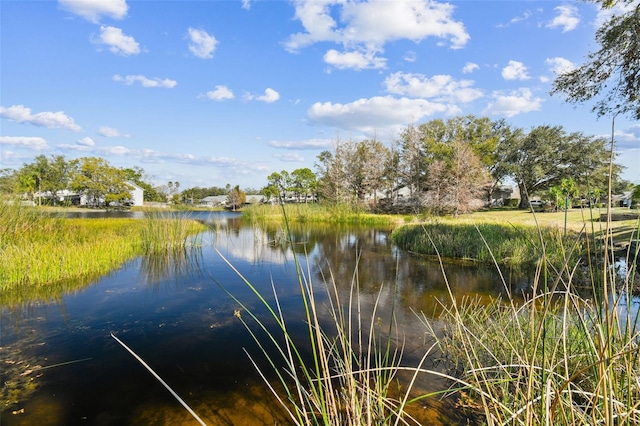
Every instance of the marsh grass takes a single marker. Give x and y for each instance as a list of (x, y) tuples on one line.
[(45, 255), (345, 370), (165, 231), (508, 245), (555, 359), (316, 213)]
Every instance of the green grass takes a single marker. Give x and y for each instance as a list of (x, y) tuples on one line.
[(318, 213), (554, 358), (508, 245), (44, 255)]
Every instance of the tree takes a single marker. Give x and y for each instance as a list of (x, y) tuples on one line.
[(277, 185), (422, 146), (304, 182), (457, 182), (137, 175), (612, 73), (355, 170), (98, 181), (540, 159), (635, 196), (8, 181), (236, 198), (45, 177), (331, 176)]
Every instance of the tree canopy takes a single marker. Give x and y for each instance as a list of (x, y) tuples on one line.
[(611, 74)]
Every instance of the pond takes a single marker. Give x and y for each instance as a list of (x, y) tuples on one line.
[(62, 367)]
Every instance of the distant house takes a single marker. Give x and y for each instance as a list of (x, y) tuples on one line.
[(221, 200), (137, 194), (214, 201), (622, 200), (503, 193)]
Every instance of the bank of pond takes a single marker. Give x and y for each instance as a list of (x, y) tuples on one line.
[(253, 319)]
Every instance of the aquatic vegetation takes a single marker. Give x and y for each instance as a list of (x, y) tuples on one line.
[(313, 213), (506, 244), (559, 358), (44, 254)]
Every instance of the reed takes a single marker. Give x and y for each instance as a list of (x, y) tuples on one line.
[(43, 254), (509, 245), (317, 213), (557, 358), (345, 369), (163, 231)]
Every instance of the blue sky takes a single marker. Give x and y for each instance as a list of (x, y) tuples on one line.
[(214, 92)]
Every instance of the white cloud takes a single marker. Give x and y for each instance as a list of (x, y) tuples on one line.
[(567, 18), (443, 88), (513, 103), (617, 9), (270, 96), (366, 26), (560, 65), (354, 60), (312, 144), (117, 41), (110, 132), (146, 82), (202, 44), (290, 157), (34, 143), (515, 71), (374, 113), (220, 93), (92, 10), (410, 56), (51, 120), (86, 141), (628, 138), (246, 4), (469, 67), (116, 150)]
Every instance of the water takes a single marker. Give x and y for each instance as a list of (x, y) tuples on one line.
[(61, 366)]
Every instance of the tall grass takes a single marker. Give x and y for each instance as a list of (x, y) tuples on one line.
[(44, 255), (556, 359), (508, 245), (344, 371), (164, 231), (314, 213)]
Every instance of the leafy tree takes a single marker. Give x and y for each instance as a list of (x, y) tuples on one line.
[(8, 181), (435, 140), (412, 168), (635, 196), (354, 170), (331, 176), (540, 159), (611, 74), (236, 198), (44, 177), (304, 182), (98, 181), (377, 164), (277, 185)]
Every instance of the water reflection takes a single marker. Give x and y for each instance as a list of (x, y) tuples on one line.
[(175, 312)]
